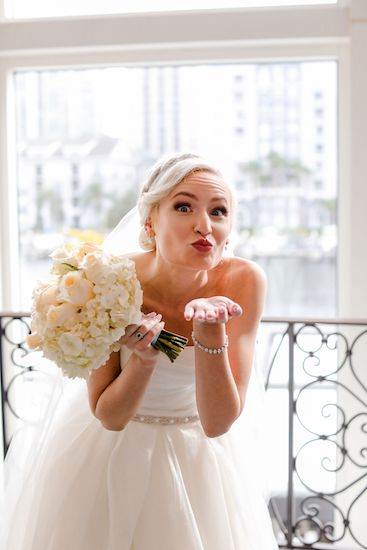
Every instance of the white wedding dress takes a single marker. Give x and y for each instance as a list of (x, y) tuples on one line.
[(159, 484)]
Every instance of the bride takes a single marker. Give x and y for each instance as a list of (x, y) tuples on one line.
[(145, 456)]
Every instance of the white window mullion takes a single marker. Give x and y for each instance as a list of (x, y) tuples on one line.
[(9, 262)]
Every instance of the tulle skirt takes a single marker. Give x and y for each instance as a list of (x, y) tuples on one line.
[(147, 487)]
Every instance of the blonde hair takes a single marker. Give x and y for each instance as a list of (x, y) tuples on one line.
[(163, 177)]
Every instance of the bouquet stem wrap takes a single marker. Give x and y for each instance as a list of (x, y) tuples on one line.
[(170, 343)]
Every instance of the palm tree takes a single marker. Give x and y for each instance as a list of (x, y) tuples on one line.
[(119, 207), (274, 170), (107, 207), (48, 199)]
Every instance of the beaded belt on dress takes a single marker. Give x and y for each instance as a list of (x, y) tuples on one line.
[(149, 419)]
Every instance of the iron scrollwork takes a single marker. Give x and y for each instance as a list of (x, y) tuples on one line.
[(20, 367), (329, 458)]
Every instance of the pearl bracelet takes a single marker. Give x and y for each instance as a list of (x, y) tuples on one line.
[(210, 350)]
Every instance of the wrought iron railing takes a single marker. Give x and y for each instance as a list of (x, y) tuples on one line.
[(320, 365)]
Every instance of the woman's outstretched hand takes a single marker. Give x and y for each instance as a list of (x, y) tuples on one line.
[(217, 309)]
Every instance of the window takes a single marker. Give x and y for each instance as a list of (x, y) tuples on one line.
[(86, 137)]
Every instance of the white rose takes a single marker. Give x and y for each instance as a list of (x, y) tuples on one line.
[(75, 289), (70, 344), (87, 247), (93, 266), (91, 259), (59, 315), (47, 297), (97, 271), (34, 340), (64, 255)]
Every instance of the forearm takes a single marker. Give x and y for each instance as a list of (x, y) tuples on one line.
[(120, 400), (217, 396)]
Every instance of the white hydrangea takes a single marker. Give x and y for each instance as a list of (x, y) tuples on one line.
[(79, 316)]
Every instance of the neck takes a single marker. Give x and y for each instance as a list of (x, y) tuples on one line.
[(173, 284)]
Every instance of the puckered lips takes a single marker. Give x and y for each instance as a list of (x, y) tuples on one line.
[(202, 245)]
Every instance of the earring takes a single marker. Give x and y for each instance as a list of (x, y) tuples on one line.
[(150, 236), (149, 232)]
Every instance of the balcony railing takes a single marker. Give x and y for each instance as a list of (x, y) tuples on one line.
[(320, 366)]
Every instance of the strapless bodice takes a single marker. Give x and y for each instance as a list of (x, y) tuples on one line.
[(171, 390)]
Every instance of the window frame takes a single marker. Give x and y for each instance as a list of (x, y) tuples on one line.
[(233, 35)]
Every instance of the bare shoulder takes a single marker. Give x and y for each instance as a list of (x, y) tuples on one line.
[(141, 260), (246, 276), (247, 288)]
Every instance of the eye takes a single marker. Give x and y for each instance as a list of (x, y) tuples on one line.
[(183, 207), (222, 211)]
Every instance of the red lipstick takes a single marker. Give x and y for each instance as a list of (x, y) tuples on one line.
[(202, 245)]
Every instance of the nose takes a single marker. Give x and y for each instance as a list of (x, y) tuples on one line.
[(203, 224)]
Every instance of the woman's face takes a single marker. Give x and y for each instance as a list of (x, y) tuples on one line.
[(193, 221)]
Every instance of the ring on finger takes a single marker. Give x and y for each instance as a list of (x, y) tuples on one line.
[(139, 335)]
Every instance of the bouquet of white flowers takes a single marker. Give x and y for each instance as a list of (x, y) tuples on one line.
[(79, 316)]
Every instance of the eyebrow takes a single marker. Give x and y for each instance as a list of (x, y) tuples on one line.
[(192, 196)]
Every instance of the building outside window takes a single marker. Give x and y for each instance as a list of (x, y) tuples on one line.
[(84, 146)]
